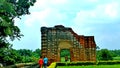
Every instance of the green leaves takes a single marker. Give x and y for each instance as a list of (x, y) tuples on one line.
[(7, 9), (10, 9), (8, 31), (104, 54)]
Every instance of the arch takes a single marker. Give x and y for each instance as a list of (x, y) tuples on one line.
[(65, 44)]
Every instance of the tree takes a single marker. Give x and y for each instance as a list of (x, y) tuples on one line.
[(9, 10), (104, 54), (65, 52), (25, 52), (37, 53), (9, 56)]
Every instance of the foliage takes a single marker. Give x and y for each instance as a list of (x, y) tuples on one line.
[(29, 55), (37, 53), (75, 63), (9, 56), (65, 52), (100, 64), (12, 56), (104, 54), (116, 58), (115, 52), (25, 52), (9, 10), (108, 62)]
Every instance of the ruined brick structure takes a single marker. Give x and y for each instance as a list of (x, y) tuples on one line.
[(53, 39)]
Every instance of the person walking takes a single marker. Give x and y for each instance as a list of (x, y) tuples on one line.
[(45, 60), (41, 62)]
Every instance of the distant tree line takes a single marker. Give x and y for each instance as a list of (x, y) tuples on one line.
[(12, 56), (105, 54)]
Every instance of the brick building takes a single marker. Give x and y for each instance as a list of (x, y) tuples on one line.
[(54, 39)]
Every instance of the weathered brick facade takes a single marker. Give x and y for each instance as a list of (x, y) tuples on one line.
[(53, 39)]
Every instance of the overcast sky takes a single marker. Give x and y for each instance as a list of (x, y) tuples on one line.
[(99, 18)]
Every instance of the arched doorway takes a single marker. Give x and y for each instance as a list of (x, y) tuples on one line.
[(64, 45)]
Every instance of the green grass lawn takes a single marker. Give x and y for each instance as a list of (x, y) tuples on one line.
[(91, 66), (63, 59)]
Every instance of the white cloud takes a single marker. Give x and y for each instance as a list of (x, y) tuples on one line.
[(83, 17), (97, 15), (48, 15), (37, 17), (43, 12), (112, 9)]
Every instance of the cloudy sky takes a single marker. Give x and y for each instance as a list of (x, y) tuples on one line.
[(99, 18)]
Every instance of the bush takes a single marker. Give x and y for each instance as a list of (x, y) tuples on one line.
[(87, 63), (75, 63), (61, 64), (104, 54), (108, 62)]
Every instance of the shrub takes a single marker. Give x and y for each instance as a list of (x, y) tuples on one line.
[(61, 64), (75, 63), (108, 62)]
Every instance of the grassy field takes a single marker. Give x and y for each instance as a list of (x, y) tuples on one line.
[(91, 66), (63, 59)]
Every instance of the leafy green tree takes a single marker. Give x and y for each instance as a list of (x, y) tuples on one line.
[(25, 52), (37, 53), (116, 53), (26, 55), (9, 56), (29, 55), (65, 52), (104, 54), (9, 10)]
